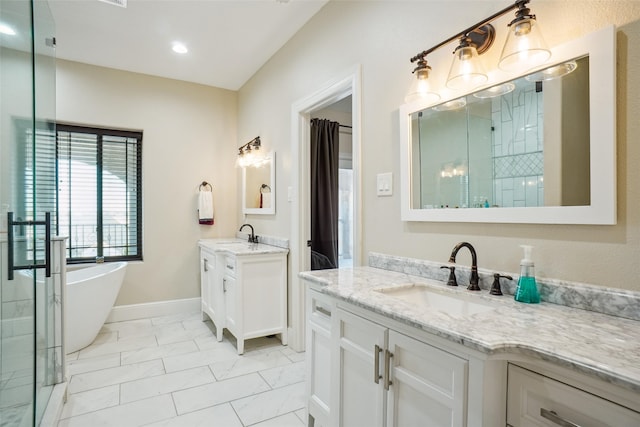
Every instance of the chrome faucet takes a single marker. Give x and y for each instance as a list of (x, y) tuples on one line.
[(252, 238), (473, 280)]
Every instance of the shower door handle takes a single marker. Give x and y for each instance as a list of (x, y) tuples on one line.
[(11, 267)]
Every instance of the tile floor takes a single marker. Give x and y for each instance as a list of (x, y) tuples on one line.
[(171, 371)]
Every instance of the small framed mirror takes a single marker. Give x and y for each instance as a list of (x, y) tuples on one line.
[(259, 187)]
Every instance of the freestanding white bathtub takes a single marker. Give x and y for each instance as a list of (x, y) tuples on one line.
[(90, 295)]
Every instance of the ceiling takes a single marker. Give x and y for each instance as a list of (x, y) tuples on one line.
[(228, 40)]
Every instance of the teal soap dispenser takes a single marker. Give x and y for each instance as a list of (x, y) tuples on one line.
[(527, 290)]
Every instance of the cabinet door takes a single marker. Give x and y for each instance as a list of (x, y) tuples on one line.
[(207, 271), (534, 400), (318, 350), (428, 385), (230, 290), (357, 393)]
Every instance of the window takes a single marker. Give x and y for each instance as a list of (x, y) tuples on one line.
[(91, 181)]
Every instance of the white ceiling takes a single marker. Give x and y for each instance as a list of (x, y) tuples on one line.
[(228, 40)]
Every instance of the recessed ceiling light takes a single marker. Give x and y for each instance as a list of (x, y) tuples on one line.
[(179, 48), (5, 29)]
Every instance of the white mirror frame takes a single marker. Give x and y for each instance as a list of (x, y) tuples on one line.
[(601, 48), (272, 178)]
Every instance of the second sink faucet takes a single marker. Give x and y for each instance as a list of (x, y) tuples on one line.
[(252, 237), (473, 280)]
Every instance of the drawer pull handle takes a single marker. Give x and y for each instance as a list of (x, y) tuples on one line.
[(323, 310), (387, 368), (376, 364), (206, 265), (556, 419), (230, 267), (224, 285)]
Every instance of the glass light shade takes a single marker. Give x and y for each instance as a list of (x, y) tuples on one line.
[(525, 47), (420, 89), (466, 71)]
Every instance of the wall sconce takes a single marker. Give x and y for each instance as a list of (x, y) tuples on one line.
[(524, 49), (248, 154)]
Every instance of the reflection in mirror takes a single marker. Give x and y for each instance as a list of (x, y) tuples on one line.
[(523, 143), (258, 188)]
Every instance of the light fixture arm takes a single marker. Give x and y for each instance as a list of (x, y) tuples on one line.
[(522, 11), (253, 144)]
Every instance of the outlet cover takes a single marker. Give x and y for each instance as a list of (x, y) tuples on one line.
[(385, 184)]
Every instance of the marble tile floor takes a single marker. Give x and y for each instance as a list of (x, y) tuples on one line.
[(171, 371)]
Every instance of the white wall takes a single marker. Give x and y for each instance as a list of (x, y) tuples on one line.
[(189, 136), (382, 36)]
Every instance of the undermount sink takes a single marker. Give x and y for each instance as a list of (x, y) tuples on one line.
[(431, 299)]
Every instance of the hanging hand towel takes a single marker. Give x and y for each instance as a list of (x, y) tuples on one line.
[(205, 207), (265, 200)]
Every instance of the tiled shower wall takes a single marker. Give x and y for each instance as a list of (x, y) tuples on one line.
[(518, 160)]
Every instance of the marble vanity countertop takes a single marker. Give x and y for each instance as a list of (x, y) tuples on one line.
[(596, 344), (238, 247)]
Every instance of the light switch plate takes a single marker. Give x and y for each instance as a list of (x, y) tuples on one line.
[(385, 184)]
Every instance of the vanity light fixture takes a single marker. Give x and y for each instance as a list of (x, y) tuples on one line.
[(248, 155), (524, 49)]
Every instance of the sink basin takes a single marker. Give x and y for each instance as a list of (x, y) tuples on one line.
[(431, 299)]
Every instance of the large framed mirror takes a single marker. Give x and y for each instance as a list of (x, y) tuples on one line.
[(259, 187), (534, 148)]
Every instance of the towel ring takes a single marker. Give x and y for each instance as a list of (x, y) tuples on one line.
[(205, 184), (263, 187)]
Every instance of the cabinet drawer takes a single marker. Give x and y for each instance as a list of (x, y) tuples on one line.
[(320, 313), (537, 400), (230, 266)]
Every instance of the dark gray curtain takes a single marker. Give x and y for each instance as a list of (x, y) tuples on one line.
[(324, 194)]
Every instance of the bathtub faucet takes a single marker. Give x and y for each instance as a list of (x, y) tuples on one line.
[(252, 238)]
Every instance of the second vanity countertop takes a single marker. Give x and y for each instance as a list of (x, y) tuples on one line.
[(597, 344), (234, 246)]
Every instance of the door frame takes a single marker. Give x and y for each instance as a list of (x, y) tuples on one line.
[(347, 83)]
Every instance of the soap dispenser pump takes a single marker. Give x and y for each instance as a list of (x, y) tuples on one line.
[(527, 290)]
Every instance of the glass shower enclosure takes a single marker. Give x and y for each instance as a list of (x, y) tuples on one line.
[(30, 327)]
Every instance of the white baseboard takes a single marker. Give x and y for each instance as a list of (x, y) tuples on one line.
[(121, 313)]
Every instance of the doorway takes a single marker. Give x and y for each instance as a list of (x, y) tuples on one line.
[(348, 85)]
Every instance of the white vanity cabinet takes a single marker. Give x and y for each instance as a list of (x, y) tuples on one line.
[(363, 372), (534, 399), (244, 290)]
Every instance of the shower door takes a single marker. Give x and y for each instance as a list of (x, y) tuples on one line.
[(28, 340)]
